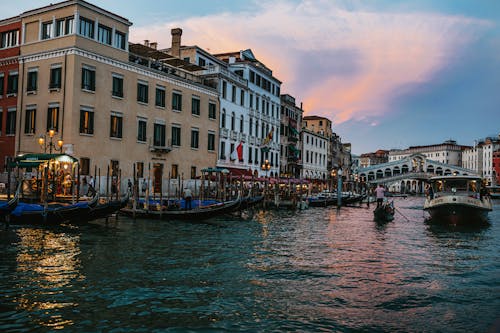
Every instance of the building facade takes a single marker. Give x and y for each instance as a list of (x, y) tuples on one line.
[(448, 152), (290, 143), (10, 38), (114, 104), (315, 147)]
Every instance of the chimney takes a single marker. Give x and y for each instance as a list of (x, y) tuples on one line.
[(176, 42), (146, 42), (153, 45)]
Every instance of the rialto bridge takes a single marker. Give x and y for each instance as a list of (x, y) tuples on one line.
[(409, 174)]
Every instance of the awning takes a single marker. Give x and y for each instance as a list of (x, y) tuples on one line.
[(235, 172), (34, 160), (293, 130)]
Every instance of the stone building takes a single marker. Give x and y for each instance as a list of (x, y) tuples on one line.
[(290, 139), (114, 104), (10, 38)]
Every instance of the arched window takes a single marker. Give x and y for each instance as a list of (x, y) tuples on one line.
[(250, 126), (232, 121), (223, 119), (242, 122)]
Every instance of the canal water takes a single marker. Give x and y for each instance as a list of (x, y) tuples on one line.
[(319, 270)]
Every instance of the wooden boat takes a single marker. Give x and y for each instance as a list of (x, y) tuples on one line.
[(384, 213), (493, 191), (7, 206), (251, 201), (105, 209), (457, 200), (51, 213), (193, 215)]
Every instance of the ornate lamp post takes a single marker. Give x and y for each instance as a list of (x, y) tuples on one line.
[(339, 188), (333, 173), (50, 144), (266, 166)]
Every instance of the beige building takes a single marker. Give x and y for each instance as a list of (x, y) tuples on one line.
[(113, 104)]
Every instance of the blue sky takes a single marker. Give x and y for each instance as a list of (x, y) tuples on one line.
[(390, 74)]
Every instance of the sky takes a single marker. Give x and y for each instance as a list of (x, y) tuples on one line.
[(389, 73)]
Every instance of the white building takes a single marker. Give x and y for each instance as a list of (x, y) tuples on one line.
[(264, 110), (472, 158), (447, 152), (314, 155)]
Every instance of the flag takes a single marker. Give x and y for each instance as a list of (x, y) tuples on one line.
[(237, 154), (268, 138)]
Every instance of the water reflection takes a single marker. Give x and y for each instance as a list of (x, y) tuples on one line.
[(47, 263)]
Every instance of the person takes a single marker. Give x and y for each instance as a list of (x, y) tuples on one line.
[(91, 181), (430, 191), (85, 186), (380, 194), (129, 187), (144, 186), (187, 198)]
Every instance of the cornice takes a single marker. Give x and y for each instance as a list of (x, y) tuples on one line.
[(117, 64)]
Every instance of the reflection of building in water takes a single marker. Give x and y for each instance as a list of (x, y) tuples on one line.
[(47, 262)]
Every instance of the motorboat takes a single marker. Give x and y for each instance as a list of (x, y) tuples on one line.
[(457, 200)]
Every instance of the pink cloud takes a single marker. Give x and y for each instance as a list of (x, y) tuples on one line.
[(392, 50)]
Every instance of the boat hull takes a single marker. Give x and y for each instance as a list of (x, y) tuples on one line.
[(458, 210)]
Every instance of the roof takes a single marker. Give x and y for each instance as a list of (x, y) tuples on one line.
[(149, 52)]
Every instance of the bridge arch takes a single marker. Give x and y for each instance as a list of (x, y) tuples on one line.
[(404, 168), (430, 168), (388, 172)]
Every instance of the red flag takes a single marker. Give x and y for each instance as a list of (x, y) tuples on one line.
[(239, 149)]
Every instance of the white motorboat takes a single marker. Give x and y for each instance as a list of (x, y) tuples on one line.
[(457, 200)]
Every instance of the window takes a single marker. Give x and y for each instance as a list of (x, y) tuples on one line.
[(212, 113), (104, 34), (233, 95), (242, 124), (211, 141), (195, 138), (86, 121), (53, 118), (232, 121), (250, 154), (250, 126), (117, 86), (176, 101), (119, 40), (9, 38), (186, 59), (86, 27), (195, 106), (10, 126), (257, 103), (116, 125), (242, 97), (176, 136), (12, 81), (1, 120), (115, 166), (1, 83), (251, 101), (193, 172), (141, 130), (139, 169), (30, 121), (159, 135), (175, 171), (142, 92), (84, 166), (47, 30), (55, 77), (224, 89), (160, 96), (252, 76), (223, 119), (32, 80), (88, 79), (64, 26), (222, 154), (201, 62)]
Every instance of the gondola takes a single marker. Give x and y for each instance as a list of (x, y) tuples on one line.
[(52, 213), (384, 213), (7, 206), (193, 215), (105, 209)]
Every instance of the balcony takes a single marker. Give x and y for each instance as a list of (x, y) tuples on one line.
[(224, 133), (234, 135), (159, 149)]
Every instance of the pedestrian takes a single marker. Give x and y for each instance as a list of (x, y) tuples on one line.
[(129, 187), (380, 194), (187, 198)]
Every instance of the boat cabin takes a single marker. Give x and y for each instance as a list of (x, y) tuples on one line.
[(456, 185)]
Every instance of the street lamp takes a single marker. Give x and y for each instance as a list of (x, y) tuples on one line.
[(42, 141), (266, 166), (333, 173)]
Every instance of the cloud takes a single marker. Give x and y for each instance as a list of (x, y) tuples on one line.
[(343, 63)]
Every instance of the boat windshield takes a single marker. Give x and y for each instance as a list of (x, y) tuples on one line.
[(459, 186)]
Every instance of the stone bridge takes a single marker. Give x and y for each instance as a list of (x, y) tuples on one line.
[(408, 174)]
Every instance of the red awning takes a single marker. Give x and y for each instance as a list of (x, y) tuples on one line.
[(234, 172)]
